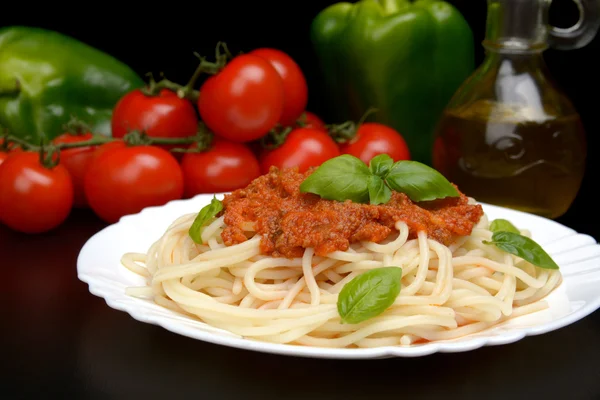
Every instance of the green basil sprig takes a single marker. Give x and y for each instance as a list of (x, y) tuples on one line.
[(341, 178), (369, 294), (419, 182), (379, 193), (380, 165), (524, 247), (502, 225), (348, 178), (205, 216)]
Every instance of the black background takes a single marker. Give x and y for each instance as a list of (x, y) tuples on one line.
[(162, 36)]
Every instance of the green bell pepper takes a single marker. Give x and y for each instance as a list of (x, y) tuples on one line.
[(46, 78), (404, 58)]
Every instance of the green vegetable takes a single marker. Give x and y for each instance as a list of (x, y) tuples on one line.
[(369, 294), (348, 178), (204, 217), (379, 193), (499, 225), (419, 182), (340, 178), (47, 77), (380, 165), (524, 247), (405, 58)]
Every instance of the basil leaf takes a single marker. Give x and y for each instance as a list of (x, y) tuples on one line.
[(205, 215), (499, 225), (523, 247), (379, 193), (341, 178), (369, 294), (419, 182), (380, 165)]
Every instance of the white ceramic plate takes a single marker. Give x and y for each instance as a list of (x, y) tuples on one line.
[(578, 256)]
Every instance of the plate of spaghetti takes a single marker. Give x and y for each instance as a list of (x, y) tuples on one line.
[(346, 260)]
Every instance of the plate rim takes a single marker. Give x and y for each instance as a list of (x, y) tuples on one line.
[(235, 341)]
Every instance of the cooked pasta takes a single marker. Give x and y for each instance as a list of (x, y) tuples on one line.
[(448, 291)]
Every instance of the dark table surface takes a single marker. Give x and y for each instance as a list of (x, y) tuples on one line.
[(58, 339)]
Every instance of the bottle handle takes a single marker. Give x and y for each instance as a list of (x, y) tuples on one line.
[(583, 32)]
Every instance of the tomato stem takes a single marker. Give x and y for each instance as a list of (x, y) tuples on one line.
[(154, 88), (49, 155), (4, 143), (301, 121), (140, 138), (76, 126), (222, 56), (187, 91), (370, 110), (95, 141), (346, 131), (276, 137), (24, 144), (196, 75)]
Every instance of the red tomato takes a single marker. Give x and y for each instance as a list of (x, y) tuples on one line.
[(303, 148), (76, 161), (165, 115), (312, 121), (116, 144), (11, 148), (224, 167), (33, 198), (295, 89), (244, 100), (124, 180), (373, 139), (3, 156)]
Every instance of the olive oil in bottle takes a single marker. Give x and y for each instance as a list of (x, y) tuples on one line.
[(509, 135), (503, 157)]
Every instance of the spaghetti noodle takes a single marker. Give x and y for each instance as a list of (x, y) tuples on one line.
[(448, 291)]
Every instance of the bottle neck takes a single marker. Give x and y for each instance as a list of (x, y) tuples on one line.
[(517, 26)]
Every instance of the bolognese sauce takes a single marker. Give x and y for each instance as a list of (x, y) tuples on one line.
[(289, 221)]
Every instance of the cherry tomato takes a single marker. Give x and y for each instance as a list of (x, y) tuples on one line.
[(76, 160), (3, 156), (224, 167), (244, 100), (373, 139), (10, 148), (295, 89), (303, 148), (115, 144), (33, 198), (312, 121), (164, 115), (124, 180)]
